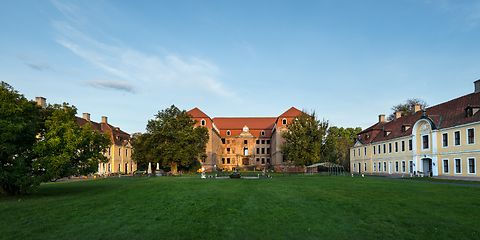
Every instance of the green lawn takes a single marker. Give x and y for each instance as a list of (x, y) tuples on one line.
[(291, 207)]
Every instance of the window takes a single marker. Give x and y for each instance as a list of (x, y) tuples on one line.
[(228, 150), (403, 146), (445, 140), (396, 166), (257, 141), (471, 165), (258, 159), (410, 165), (245, 151), (354, 152), (268, 141), (389, 147), (245, 141), (458, 165), (203, 122), (384, 148), (379, 149), (365, 167), (457, 138), (284, 121), (268, 160), (403, 166), (223, 140), (359, 152), (374, 167), (126, 152), (374, 150), (119, 154), (470, 136), (384, 166), (354, 167), (263, 160), (410, 145), (228, 133), (262, 133), (445, 166), (258, 150), (228, 160), (379, 166), (365, 150), (425, 142), (263, 150), (263, 141), (396, 146), (223, 160), (268, 150)]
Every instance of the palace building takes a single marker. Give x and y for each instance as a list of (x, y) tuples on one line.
[(442, 140), (245, 142)]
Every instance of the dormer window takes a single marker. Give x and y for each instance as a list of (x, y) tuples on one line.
[(262, 133), (471, 110), (387, 132), (228, 133), (367, 136), (284, 121), (405, 127), (203, 122)]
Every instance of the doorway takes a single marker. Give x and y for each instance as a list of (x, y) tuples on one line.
[(427, 166)]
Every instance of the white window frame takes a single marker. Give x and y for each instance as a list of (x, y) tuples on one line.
[(379, 166), (229, 133), (428, 137), (284, 121), (455, 166), (397, 167), (474, 165), (467, 136), (365, 150), (404, 166), (445, 134), (365, 167), (443, 165), (459, 138), (262, 133), (384, 166), (203, 122)]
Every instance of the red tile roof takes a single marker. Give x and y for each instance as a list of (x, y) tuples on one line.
[(444, 115), (116, 135), (292, 112), (197, 113)]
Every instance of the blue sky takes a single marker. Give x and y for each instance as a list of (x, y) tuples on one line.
[(347, 60)]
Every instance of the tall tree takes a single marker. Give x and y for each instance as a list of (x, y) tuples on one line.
[(172, 140), (338, 144), (20, 122), (304, 140), (407, 108), (66, 149)]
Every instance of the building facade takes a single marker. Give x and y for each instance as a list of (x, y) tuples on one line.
[(244, 142), (119, 154), (441, 140)]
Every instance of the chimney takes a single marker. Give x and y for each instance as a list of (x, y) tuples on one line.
[(41, 101), (417, 108), (398, 114), (86, 116), (381, 118), (477, 86), (104, 119)]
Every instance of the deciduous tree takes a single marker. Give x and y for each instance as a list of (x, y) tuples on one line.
[(407, 108)]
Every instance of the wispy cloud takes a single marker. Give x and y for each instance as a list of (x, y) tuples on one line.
[(111, 84), (34, 64), (134, 66)]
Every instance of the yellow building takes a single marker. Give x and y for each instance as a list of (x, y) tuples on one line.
[(119, 154), (441, 140)]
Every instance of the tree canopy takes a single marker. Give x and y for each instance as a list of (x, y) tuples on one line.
[(338, 143), (304, 140), (407, 108), (172, 140), (66, 149), (39, 144)]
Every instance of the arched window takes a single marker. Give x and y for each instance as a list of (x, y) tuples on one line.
[(284, 121), (228, 133), (203, 122), (262, 133)]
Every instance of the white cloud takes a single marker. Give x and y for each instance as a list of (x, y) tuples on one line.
[(131, 65), (112, 84)]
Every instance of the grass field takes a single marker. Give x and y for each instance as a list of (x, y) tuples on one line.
[(291, 207)]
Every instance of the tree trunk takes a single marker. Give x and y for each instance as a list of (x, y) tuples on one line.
[(173, 168)]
